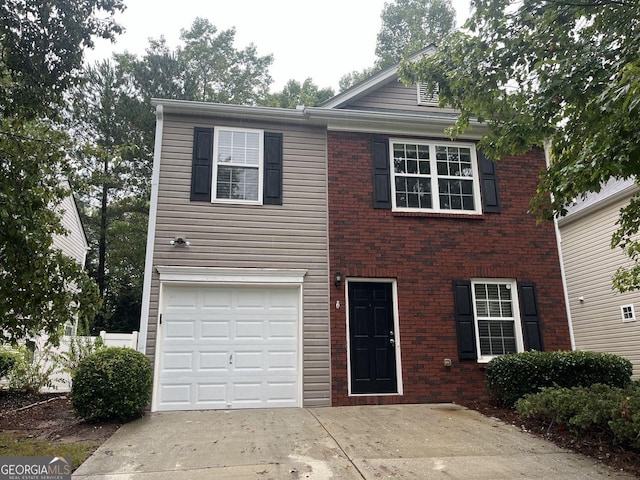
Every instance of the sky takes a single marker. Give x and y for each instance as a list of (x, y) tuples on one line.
[(322, 39)]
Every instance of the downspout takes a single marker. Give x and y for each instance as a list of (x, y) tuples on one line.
[(547, 157), (151, 232)]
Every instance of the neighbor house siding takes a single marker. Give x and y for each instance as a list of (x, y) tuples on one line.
[(394, 96), (74, 244), (590, 263), (293, 235)]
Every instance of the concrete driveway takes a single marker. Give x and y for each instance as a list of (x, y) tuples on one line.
[(442, 441)]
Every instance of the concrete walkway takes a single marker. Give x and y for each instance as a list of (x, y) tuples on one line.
[(441, 441)]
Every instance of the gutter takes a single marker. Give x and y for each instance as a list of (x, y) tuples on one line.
[(395, 123)]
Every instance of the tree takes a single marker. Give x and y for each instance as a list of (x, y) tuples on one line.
[(40, 59), (221, 73), (40, 288), (42, 44), (356, 76), (295, 93), (559, 71), (114, 171), (408, 26), (411, 25)]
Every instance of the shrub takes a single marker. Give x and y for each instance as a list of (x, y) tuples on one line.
[(80, 347), (625, 423), (32, 371), (112, 384), (7, 361), (609, 411), (510, 377)]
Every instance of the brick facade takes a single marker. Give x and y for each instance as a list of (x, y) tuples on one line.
[(425, 253)]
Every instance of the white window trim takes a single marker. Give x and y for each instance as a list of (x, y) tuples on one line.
[(633, 313), (435, 199), (216, 143), (516, 315)]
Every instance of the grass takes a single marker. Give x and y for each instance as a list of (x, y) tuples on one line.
[(15, 444)]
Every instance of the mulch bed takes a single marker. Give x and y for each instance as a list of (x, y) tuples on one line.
[(592, 445), (49, 416)]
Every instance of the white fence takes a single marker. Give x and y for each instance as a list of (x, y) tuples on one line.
[(62, 380)]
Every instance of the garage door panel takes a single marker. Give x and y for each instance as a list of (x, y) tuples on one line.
[(213, 362), (178, 361), (229, 347), (215, 329)]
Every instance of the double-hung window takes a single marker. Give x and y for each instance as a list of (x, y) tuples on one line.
[(434, 177), (497, 320), (237, 165)]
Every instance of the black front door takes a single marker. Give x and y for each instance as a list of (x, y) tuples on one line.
[(372, 338)]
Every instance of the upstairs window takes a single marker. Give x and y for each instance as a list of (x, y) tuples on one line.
[(434, 177), (238, 163)]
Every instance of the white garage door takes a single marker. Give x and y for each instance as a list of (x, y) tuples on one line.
[(228, 347)]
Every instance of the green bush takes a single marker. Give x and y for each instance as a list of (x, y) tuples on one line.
[(7, 361), (625, 423), (112, 384), (611, 412), (32, 370), (510, 377)]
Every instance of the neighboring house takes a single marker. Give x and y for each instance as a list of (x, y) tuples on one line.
[(290, 262), (603, 320), (74, 244)]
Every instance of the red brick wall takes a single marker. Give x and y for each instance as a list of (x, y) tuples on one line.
[(425, 253)]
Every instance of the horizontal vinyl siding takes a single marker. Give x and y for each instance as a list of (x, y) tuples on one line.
[(589, 265), (292, 235), (73, 244), (394, 96)]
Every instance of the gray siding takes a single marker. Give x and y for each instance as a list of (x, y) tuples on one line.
[(394, 96), (589, 266), (293, 235)]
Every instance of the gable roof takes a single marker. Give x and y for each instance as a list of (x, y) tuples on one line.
[(374, 82)]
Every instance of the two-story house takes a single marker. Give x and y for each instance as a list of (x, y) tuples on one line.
[(342, 254), (603, 319)]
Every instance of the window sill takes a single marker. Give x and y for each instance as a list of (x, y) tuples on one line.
[(463, 216)]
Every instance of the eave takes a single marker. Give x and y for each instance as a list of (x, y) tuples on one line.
[(383, 122)]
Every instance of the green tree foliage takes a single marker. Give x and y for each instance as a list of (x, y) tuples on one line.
[(42, 42), (295, 93), (557, 70), (109, 121), (40, 288), (356, 76), (40, 59), (411, 25), (408, 26), (221, 73)]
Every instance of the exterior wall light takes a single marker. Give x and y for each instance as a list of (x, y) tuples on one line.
[(179, 242), (338, 279)]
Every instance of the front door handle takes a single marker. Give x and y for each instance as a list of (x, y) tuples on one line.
[(392, 341)]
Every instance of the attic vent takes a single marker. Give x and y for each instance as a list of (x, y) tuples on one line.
[(425, 98)]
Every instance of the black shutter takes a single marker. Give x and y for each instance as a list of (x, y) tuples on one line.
[(465, 329), (381, 174), (272, 189), (530, 317), (201, 166), (489, 184)]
